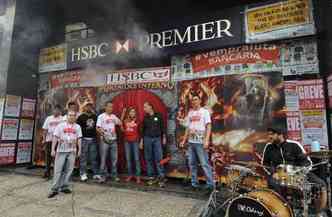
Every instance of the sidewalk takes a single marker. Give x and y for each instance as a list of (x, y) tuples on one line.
[(26, 196)]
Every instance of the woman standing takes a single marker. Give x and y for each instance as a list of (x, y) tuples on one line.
[(131, 140)]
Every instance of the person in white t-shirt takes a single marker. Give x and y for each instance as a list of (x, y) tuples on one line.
[(67, 136), (106, 127), (198, 132), (51, 122)]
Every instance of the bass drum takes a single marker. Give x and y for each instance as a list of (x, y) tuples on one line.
[(263, 203)]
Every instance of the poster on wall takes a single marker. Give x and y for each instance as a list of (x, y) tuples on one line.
[(311, 94), (53, 58), (13, 106), (9, 129), (28, 108), (294, 126), (7, 153), (26, 129), (285, 19), (299, 57), (291, 96), (329, 89), (23, 154), (2, 106), (314, 127)]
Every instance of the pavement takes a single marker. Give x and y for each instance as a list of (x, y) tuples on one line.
[(26, 196)]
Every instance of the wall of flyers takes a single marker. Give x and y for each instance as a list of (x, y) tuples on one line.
[(306, 111)]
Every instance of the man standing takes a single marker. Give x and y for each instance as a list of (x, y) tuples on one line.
[(87, 120), (106, 127), (51, 122), (198, 132), (153, 132), (68, 137)]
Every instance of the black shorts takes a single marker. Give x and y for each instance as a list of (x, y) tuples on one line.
[(313, 178)]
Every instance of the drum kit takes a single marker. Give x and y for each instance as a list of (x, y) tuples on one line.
[(248, 193)]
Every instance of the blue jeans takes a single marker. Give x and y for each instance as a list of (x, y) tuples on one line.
[(106, 149), (132, 153), (198, 154), (63, 168), (89, 152), (153, 153)]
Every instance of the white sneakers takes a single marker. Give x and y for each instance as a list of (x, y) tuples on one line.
[(84, 177)]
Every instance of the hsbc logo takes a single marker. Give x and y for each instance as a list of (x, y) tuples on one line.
[(123, 46), (100, 50)]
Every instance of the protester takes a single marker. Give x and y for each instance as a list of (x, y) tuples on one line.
[(87, 120), (131, 139), (106, 127), (67, 137), (198, 131), (51, 122), (153, 132)]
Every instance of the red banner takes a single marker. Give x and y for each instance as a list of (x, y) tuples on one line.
[(248, 54), (67, 79), (311, 94)]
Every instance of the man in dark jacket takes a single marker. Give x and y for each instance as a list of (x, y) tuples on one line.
[(283, 151)]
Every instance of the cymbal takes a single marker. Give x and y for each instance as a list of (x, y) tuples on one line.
[(248, 164), (321, 154)]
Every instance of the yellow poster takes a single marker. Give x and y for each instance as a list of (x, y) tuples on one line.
[(53, 58), (278, 16)]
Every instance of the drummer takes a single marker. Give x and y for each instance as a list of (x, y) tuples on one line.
[(283, 151)]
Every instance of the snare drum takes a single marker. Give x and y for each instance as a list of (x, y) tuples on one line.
[(288, 175)]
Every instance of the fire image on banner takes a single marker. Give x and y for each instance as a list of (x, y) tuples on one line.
[(9, 129), (235, 103), (58, 96), (13, 106), (286, 19), (23, 154), (7, 153), (28, 108)]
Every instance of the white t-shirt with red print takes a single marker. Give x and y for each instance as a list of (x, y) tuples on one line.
[(196, 122), (108, 123), (68, 134), (50, 124)]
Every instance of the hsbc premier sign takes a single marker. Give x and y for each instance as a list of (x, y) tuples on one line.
[(209, 32), (139, 76)]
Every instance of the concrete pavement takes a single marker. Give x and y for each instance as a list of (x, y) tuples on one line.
[(26, 196)]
